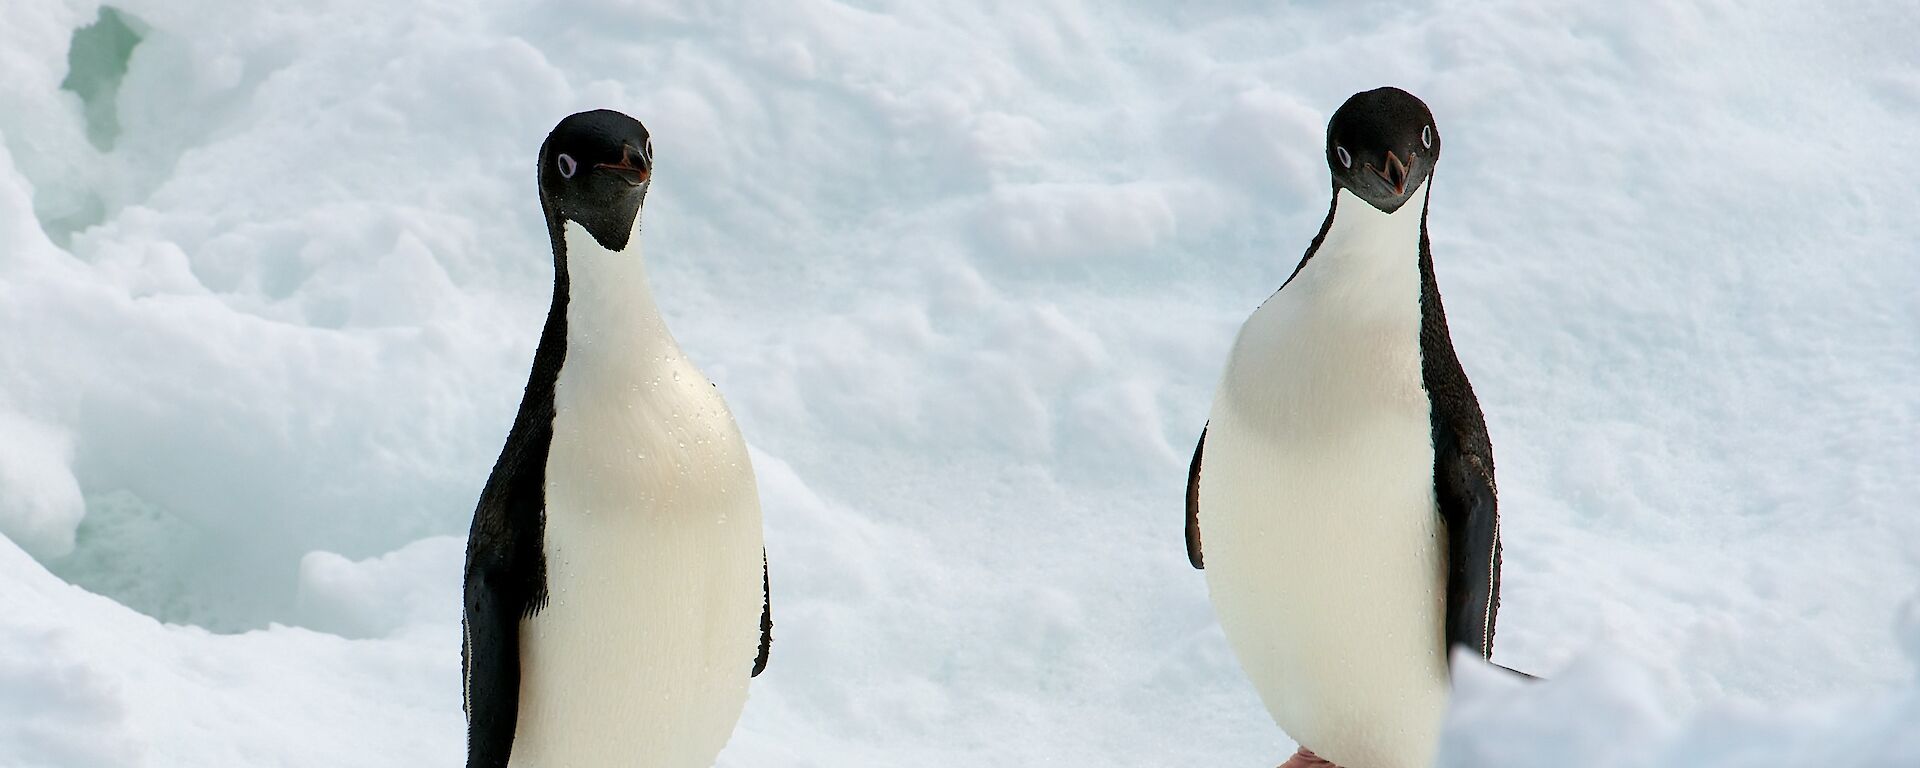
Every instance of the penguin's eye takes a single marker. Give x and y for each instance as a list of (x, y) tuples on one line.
[(1426, 137), (1346, 160), (567, 165), (647, 151)]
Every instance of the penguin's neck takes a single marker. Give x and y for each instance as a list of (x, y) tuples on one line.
[(1362, 239), (1363, 271), (1344, 332), (611, 314)]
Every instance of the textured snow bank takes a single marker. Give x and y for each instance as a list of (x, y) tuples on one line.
[(85, 682), (967, 274), (40, 504), (1614, 709)]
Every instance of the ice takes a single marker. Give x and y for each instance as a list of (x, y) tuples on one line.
[(967, 274)]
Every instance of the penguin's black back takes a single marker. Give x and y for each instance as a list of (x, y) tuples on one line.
[(1462, 473), (506, 578)]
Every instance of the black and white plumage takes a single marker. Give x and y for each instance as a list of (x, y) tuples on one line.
[(1342, 499), (616, 585)]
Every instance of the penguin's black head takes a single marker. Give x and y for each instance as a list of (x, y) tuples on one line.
[(1382, 146), (594, 169)]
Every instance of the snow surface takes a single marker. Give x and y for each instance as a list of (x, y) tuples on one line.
[(967, 273)]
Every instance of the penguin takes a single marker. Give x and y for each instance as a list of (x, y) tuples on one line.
[(1343, 485), (612, 614)]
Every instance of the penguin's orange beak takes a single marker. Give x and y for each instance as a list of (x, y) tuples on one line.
[(1396, 172), (634, 174)]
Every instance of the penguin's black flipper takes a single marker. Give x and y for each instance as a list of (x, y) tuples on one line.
[(1464, 483), (1462, 476), (492, 666), (506, 581), (1193, 504), (766, 617)]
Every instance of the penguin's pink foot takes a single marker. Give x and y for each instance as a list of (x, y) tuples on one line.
[(1305, 758)]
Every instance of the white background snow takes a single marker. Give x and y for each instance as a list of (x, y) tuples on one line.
[(270, 280)]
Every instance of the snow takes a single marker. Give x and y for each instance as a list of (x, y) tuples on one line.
[(967, 274), (40, 503)]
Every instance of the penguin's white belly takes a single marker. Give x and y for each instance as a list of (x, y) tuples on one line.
[(1324, 551), (653, 544)]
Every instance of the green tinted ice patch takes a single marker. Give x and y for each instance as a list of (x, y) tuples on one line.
[(96, 63)]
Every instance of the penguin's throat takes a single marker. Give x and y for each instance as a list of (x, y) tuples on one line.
[(610, 306), (1361, 229)]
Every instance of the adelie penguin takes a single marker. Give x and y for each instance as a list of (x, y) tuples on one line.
[(1341, 499), (616, 590)]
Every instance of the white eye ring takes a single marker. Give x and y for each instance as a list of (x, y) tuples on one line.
[(1346, 160), (567, 165), (1426, 137)]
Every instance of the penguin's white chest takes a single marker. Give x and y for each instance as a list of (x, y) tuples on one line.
[(642, 654), (1324, 551)]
